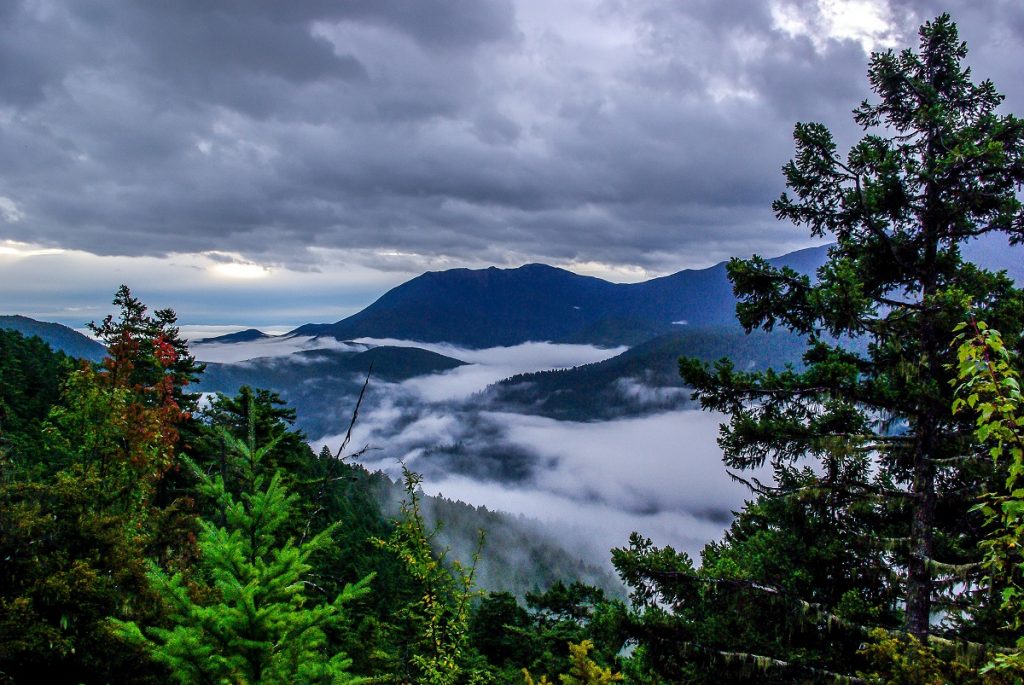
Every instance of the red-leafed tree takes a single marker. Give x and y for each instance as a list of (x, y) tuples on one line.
[(74, 540)]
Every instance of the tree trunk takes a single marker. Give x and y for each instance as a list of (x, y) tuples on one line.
[(919, 578)]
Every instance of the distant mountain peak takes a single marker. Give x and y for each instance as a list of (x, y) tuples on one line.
[(248, 335)]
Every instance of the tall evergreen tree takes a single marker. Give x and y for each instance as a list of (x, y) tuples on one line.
[(937, 167), (78, 511), (144, 350)]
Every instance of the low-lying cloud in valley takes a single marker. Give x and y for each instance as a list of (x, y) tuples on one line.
[(275, 346), (590, 482), (490, 365)]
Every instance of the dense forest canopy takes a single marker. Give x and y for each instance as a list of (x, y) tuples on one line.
[(147, 538)]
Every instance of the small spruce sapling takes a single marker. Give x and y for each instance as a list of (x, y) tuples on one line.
[(248, 617)]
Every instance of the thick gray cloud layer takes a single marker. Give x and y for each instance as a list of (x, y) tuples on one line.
[(645, 133)]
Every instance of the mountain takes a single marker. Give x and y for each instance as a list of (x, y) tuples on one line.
[(642, 379), (322, 385), (993, 252), (248, 335), (500, 307), (57, 336)]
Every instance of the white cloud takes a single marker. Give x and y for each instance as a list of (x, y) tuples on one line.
[(589, 528), (663, 462), (489, 365), (867, 22), (277, 346), (659, 475), (9, 211)]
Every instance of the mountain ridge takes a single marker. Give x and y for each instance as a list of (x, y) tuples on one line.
[(495, 307), (58, 336)]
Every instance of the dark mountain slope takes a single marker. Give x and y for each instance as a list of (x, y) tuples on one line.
[(322, 384), (498, 307), (57, 336), (642, 379), (248, 335), (479, 308)]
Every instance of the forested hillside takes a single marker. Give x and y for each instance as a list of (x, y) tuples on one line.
[(642, 379), (122, 502), (59, 337)]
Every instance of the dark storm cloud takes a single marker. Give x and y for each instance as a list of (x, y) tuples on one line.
[(646, 133)]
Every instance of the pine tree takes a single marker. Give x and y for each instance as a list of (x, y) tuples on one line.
[(248, 617), (938, 167), (869, 521), (144, 350)]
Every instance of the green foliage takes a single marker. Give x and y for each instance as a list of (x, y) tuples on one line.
[(903, 660), (438, 619), (582, 670), (988, 386), (121, 419), (498, 629), (263, 417), (513, 638), (897, 476), (79, 522), (66, 564), (247, 616), (31, 375), (574, 613)]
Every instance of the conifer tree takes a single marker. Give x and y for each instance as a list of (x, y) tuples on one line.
[(249, 617), (144, 350), (860, 439), (79, 514), (937, 168)]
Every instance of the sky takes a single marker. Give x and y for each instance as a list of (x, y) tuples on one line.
[(280, 163)]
